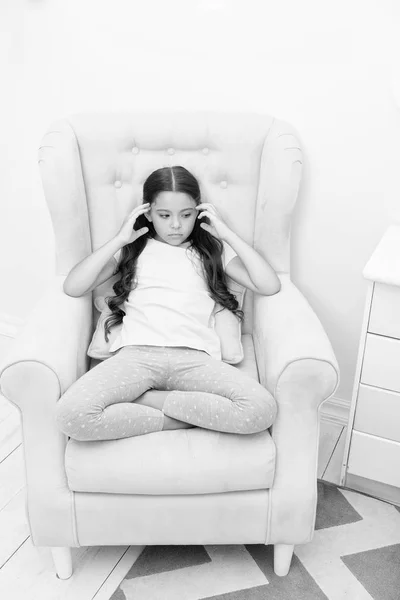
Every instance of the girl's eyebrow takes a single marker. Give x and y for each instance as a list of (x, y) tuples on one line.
[(166, 210)]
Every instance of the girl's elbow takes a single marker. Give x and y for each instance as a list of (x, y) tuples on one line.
[(278, 288), (272, 285), (271, 291), (66, 289), (70, 291)]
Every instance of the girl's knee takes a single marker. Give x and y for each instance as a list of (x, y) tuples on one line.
[(73, 421), (66, 421), (266, 410), (271, 403), (80, 429)]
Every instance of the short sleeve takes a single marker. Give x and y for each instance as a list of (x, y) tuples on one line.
[(227, 254), (117, 257)]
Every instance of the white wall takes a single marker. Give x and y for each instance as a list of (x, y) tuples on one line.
[(327, 68)]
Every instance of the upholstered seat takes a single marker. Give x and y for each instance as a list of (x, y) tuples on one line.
[(188, 461), (192, 486)]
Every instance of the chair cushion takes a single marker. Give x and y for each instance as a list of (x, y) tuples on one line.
[(181, 461)]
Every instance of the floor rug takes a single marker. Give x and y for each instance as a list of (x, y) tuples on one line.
[(354, 555)]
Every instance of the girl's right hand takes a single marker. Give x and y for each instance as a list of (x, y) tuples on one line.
[(127, 234)]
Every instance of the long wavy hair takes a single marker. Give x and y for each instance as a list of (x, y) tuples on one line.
[(171, 179)]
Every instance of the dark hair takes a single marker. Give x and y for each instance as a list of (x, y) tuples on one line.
[(171, 179)]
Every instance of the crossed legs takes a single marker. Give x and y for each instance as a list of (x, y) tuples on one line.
[(143, 389)]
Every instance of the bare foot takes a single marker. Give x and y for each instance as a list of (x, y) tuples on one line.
[(156, 399), (153, 398), (170, 423)]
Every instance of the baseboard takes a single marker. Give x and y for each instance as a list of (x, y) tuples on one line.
[(10, 325), (375, 489), (336, 410)]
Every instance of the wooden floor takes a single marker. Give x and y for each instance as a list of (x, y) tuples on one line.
[(27, 572)]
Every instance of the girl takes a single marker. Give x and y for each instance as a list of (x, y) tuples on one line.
[(172, 253)]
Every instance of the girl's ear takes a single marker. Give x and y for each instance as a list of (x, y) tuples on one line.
[(148, 217)]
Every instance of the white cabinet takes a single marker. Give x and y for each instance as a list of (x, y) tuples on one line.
[(372, 452)]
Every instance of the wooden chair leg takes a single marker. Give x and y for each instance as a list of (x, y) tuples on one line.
[(282, 558), (62, 559)]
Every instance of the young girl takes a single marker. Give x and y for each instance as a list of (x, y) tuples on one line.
[(167, 371)]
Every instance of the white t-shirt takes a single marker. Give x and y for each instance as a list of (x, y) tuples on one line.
[(171, 305)]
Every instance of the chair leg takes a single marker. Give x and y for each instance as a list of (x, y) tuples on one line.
[(282, 558), (62, 559)]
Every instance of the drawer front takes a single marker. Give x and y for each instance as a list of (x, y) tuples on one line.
[(378, 412), (381, 363), (374, 458), (384, 318)]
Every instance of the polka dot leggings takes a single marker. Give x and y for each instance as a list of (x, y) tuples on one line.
[(204, 392)]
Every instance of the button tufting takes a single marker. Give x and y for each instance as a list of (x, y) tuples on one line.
[(224, 184), (171, 151), (206, 150), (135, 150), (118, 184)]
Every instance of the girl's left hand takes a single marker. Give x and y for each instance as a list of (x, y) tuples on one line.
[(218, 228)]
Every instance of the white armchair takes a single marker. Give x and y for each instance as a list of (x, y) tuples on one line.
[(186, 486)]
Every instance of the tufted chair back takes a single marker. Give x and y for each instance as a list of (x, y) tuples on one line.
[(93, 167)]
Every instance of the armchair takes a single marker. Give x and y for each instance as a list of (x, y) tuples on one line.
[(186, 486)]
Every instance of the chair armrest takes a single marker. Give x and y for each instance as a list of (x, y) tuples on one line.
[(297, 365), (47, 357), (56, 335), (287, 330)]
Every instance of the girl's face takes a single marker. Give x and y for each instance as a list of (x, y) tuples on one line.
[(173, 215)]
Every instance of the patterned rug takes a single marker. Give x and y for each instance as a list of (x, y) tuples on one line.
[(355, 555)]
